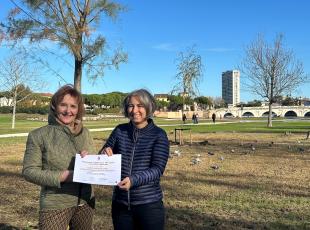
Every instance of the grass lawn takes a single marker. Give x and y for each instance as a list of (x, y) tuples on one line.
[(264, 188), (205, 126)]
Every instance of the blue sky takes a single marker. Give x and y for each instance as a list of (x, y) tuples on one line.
[(154, 32)]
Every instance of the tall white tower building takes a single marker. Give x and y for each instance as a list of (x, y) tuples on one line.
[(231, 87)]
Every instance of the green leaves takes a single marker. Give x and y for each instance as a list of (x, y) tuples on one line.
[(72, 24)]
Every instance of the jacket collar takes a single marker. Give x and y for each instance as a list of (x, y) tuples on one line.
[(75, 130), (148, 127), (135, 133)]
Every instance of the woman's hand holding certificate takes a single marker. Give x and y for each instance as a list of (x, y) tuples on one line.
[(97, 169)]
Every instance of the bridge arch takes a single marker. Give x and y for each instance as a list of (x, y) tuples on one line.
[(228, 115), (262, 111), (290, 113), (248, 114), (265, 114), (307, 114)]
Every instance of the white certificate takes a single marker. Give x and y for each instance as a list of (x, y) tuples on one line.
[(97, 169)]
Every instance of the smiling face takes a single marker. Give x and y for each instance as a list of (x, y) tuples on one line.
[(137, 112), (67, 109)]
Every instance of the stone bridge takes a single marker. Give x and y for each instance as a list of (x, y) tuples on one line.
[(263, 111)]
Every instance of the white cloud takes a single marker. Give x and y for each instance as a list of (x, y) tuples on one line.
[(165, 47), (219, 50)]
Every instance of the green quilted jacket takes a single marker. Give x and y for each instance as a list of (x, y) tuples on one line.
[(49, 151)]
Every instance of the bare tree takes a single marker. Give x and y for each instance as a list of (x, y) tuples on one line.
[(14, 75), (71, 24), (189, 74), (271, 70), (218, 102)]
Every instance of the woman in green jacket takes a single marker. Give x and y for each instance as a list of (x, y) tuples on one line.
[(49, 162)]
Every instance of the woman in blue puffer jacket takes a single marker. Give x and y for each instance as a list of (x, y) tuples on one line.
[(137, 199)]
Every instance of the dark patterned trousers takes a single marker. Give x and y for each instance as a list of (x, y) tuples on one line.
[(76, 218)]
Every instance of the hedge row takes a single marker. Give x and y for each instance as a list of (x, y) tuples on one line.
[(44, 110), (29, 110)]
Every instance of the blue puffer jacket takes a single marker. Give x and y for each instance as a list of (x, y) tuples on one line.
[(144, 157)]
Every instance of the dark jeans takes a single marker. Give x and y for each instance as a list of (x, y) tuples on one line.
[(143, 217)]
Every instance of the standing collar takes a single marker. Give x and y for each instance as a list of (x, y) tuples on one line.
[(148, 127), (75, 130)]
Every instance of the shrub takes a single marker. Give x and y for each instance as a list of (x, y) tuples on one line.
[(6, 109), (33, 110)]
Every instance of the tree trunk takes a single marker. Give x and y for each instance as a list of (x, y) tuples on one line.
[(13, 116), (77, 74), (14, 109), (270, 115), (183, 105)]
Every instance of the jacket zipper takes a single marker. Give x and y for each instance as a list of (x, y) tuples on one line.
[(135, 139)]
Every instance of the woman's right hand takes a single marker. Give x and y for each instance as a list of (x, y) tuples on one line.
[(107, 150), (66, 176), (83, 153)]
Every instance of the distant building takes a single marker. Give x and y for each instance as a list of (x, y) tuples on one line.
[(161, 97), (6, 101), (48, 95), (183, 94), (305, 102), (266, 103), (44, 99), (231, 87)]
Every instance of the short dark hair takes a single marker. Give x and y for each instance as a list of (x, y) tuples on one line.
[(146, 99), (61, 93)]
